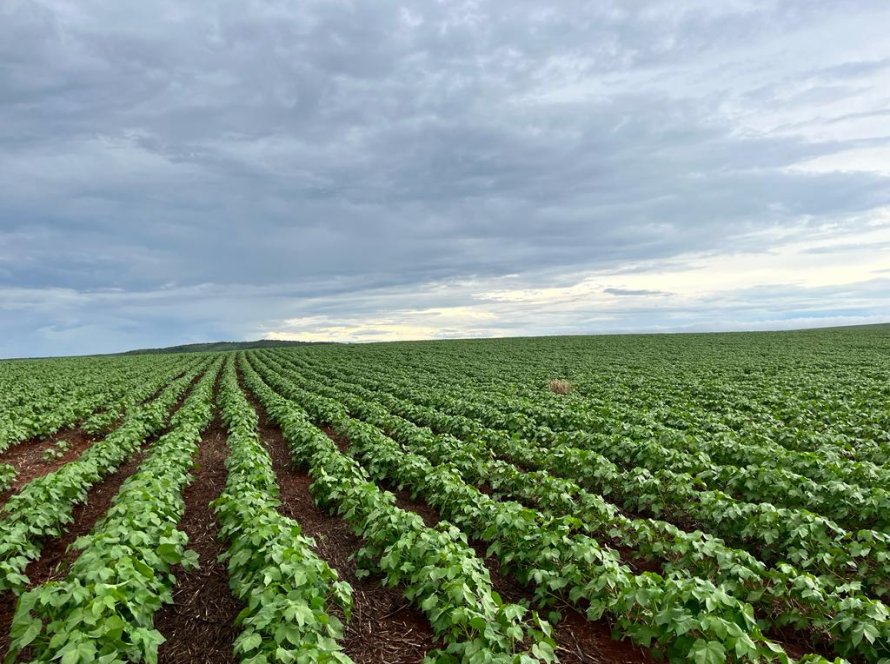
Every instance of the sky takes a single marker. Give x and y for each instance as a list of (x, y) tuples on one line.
[(176, 172)]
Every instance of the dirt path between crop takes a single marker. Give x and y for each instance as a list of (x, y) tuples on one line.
[(578, 640), (55, 556), (385, 628), (27, 458), (200, 624)]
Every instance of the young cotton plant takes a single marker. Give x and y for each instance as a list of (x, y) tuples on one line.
[(44, 506), (7, 476), (103, 610), (287, 590), (435, 568), (55, 452), (675, 614), (850, 624)]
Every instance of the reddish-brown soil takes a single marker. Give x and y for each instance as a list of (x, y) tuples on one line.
[(27, 457), (404, 500), (578, 640), (384, 628), (582, 641), (200, 624), (794, 646), (638, 564), (56, 556), (341, 443)]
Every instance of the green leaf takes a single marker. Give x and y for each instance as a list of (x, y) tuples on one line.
[(169, 553), (708, 652), (251, 642)]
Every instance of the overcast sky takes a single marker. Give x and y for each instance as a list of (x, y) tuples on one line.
[(173, 172)]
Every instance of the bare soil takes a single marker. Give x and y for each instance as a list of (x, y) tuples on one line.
[(57, 554), (578, 640), (27, 457), (200, 623), (384, 627)]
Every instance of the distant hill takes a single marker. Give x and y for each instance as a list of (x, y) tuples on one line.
[(218, 346)]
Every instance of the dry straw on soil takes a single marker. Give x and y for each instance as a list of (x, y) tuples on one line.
[(560, 386)]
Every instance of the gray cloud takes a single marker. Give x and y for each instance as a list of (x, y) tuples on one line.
[(263, 156)]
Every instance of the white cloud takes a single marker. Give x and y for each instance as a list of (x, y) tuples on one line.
[(818, 277)]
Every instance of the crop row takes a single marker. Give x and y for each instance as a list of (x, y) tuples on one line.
[(775, 534), (435, 567), (51, 399), (103, 609), (851, 624), (286, 589), (148, 384), (44, 506), (817, 393), (752, 478), (642, 420), (686, 618), (107, 415)]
